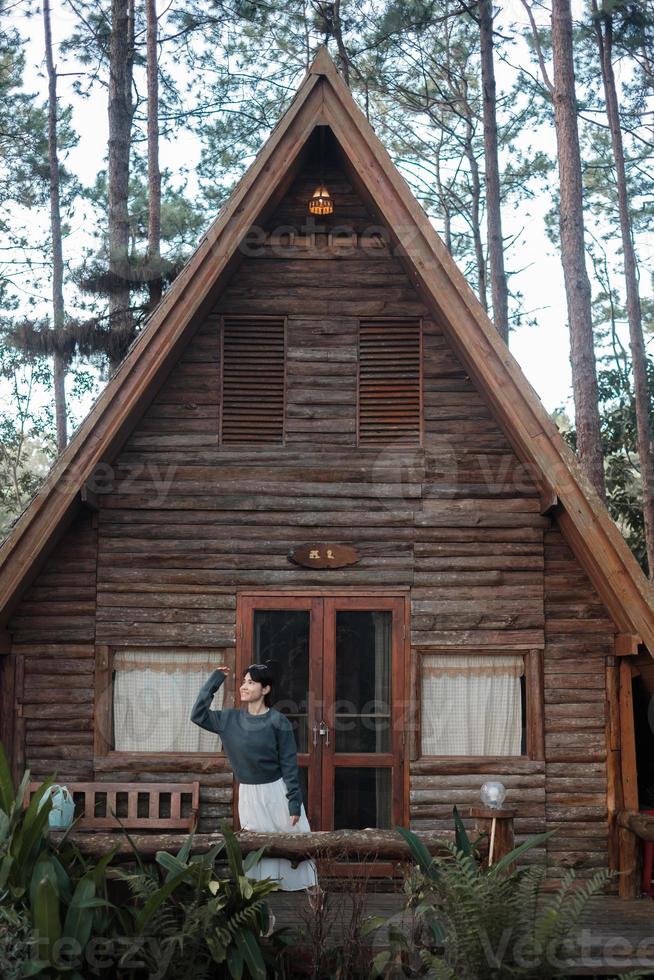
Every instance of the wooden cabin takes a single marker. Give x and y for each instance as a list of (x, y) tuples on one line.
[(319, 450)]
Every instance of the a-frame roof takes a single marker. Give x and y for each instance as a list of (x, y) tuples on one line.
[(324, 99)]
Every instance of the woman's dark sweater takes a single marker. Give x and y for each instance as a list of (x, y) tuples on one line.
[(260, 748)]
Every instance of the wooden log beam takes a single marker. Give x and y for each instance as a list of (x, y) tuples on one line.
[(629, 883), (334, 844), (640, 824), (549, 500), (5, 643), (626, 644)]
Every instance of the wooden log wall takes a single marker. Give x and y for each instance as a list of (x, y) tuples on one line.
[(185, 523), (579, 641), (53, 633)]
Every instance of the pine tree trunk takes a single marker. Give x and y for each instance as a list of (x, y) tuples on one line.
[(577, 284), (121, 56), (604, 34), (499, 289), (59, 367), (475, 206), (442, 197), (337, 30), (154, 173)]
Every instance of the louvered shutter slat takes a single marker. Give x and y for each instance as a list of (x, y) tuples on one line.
[(389, 381), (253, 360)]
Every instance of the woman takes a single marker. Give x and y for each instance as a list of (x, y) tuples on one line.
[(260, 745)]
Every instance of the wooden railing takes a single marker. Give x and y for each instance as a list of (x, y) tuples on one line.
[(496, 828)]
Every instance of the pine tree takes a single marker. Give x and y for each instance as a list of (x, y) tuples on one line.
[(603, 24)]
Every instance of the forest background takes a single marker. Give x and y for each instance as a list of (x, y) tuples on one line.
[(526, 130)]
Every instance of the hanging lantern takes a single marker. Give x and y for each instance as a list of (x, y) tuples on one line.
[(321, 202)]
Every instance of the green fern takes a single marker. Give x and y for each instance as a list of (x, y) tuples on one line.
[(474, 922)]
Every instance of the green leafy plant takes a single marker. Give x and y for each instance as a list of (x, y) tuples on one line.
[(473, 921), (23, 832), (46, 891), (199, 920)]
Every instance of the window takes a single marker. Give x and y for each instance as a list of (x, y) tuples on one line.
[(473, 705), (149, 697), (252, 380), (390, 397)]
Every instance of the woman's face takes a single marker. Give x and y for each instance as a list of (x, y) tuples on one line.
[(252, 690)]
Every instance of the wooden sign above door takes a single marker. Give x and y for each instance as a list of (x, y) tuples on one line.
[(324, 555)]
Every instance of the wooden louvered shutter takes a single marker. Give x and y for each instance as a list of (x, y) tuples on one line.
[(389, 381), (252, 408)]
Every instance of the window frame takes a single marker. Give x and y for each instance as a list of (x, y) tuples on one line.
[(533, 707), (107, 759)]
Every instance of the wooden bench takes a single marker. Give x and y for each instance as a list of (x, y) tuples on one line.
[(134, 806)]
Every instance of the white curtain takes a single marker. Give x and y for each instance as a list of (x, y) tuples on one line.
[(471, 705), (154, 692)]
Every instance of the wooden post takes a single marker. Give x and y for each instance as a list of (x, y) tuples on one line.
[(498, 826), (629, 848), (7, 704), (18, 766), (614, 801)]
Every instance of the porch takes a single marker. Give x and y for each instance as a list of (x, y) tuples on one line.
[(616, 935), (362, 871)]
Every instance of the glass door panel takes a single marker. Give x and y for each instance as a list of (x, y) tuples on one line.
[(362, 798), (282, 635), (362, 710)]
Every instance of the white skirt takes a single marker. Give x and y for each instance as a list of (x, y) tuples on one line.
[(263, 807)]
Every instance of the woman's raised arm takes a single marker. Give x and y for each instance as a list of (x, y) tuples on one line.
[(201, 714)]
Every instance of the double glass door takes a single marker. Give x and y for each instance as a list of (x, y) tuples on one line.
[(340, 668)]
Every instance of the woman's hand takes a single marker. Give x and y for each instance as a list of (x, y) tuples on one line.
[(224, 669), (294, 820)]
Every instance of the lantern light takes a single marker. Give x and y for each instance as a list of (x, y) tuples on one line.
[(493, 795), (321, 202)]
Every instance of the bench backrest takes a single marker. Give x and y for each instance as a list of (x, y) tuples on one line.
[(135, 806)]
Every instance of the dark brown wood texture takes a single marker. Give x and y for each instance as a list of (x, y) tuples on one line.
[(455, 524), (578, 641)]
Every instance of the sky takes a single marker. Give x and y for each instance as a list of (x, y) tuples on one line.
[(542, 350)]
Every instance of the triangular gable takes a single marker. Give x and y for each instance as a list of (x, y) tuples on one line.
[(324, 99)]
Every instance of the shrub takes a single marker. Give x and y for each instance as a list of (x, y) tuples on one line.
[(475, 922)]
